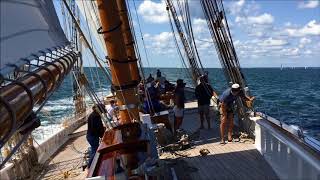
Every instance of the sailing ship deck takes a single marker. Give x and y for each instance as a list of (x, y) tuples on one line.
[(230, 161)]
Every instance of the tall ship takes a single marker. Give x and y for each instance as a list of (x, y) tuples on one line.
[(44, 42)]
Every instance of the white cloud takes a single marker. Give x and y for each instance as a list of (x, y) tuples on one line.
[(161, 43), (263, 19), (273, 42), (162, 37), (292, 52), (308, 52), (310, 4), (236, 7), (312, 28), (305, 40), (153, 12), (199, 25), (288, 24)]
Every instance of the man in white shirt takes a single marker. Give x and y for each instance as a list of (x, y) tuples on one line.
[(110, 109)]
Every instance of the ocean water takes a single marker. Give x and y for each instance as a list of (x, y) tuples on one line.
[(289, 95)]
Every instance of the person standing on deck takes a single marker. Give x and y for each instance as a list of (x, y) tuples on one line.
[(111, 110), (203, 93), (95, 131), (150, 78), (179, 99), (160, 78), (227, 100)]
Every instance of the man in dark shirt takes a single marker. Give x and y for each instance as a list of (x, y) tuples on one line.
[(203, 94), (227, 99), (179, 99), (95, 130)]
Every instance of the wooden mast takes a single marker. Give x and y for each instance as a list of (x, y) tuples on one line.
[(129, 41), (124, 84)]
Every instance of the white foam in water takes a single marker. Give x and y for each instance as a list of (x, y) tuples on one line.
[(44, 132), (51, 121)]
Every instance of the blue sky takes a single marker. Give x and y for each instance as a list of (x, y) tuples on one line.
[(265, 33)]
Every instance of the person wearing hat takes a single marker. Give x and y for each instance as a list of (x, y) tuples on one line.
[(227, 99), (178, 109)]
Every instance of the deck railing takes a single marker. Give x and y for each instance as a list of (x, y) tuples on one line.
[(289, 155)]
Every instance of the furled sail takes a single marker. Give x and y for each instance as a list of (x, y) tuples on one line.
[(35, 27)]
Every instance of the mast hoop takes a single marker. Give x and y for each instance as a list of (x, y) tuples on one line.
[(54, 65), (37, 76), (100, 31), (26, 89), (130, 43), (129, 60), (48, 70), (132, 84), (127, 106)]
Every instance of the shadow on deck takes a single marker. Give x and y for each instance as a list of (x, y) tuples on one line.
[(67, 162), (233, 160)]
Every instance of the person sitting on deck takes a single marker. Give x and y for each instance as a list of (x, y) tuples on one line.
[(203, 93), (178, 109), (95, 130), (227, 100), (151, 106), (168, 87), (152, 103)]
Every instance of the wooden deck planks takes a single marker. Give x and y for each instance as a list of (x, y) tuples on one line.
[(68, 160), (231, 161)]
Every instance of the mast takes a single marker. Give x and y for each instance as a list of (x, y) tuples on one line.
[(122, 81), (129, 42)]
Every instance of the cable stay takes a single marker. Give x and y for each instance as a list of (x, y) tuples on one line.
[(185, 32), (221, 36)]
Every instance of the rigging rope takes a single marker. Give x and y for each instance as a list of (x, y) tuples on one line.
[(140, 29), (221, 36), (86, 41), (189, 73), (188, 46), (146, 92), (89, 31)]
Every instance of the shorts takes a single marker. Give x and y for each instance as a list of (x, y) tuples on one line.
[(178, 112), (204, 109)]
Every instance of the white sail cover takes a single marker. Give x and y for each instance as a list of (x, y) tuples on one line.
[(27, 26)]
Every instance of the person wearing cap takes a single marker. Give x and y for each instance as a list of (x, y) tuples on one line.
[(227, 99), (179, 99), (203, 93), (95, 130)]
